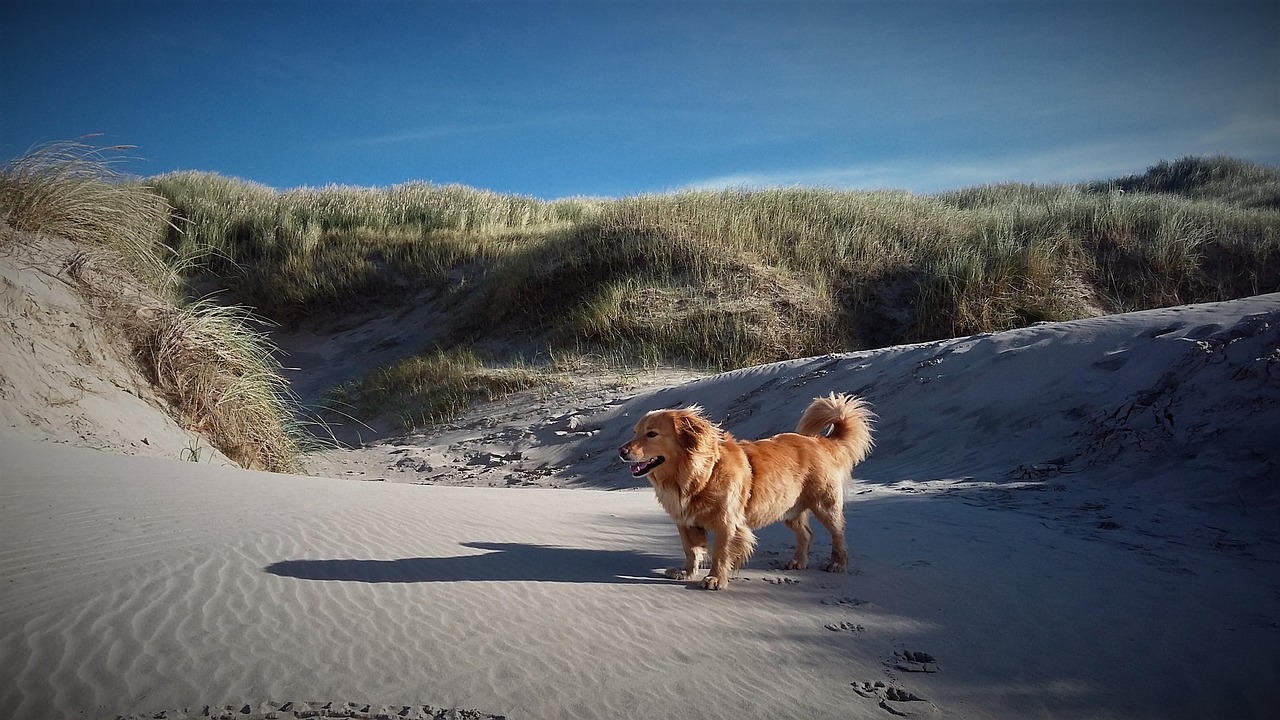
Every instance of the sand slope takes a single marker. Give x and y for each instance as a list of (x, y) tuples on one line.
[(63, 376), (1070, 520), (1138, 397)]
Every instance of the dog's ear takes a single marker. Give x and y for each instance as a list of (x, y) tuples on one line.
[(693, 431)]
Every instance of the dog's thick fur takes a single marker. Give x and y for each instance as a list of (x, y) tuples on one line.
[(708, 481)]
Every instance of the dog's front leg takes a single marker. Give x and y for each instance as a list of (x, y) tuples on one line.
[(721, 564), (733, 545), (694, 540)]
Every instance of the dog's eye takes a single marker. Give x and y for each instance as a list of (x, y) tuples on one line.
[(651, 433)]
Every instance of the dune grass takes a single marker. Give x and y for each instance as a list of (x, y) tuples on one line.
[(1226, 179), (218, 375), (730, 278), (224, 382), (718, 279), (434, 387), (69, 189)]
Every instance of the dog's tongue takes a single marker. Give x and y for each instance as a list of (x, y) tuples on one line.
[(644, 466)]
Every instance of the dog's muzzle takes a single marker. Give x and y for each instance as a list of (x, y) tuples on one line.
[(642, 467)]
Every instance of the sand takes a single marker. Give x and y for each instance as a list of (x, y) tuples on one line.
[(1069, 520)]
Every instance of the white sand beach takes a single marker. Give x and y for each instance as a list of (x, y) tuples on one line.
[(1071, 520)]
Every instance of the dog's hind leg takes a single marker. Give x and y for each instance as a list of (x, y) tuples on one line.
[(694, 540), (799, 525), (832, 516)]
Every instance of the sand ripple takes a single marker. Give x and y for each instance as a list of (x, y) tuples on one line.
[(320, 710)]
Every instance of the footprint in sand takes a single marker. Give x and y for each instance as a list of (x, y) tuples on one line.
[(781, 580), (895, 700), (845, 626), (844, 601), (914, 661)]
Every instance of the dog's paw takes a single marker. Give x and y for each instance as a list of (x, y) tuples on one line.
[(679, 573), (714, 583), (836, 566), (794, 564)]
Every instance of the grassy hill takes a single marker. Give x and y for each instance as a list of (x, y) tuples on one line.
[(723, 279), (717, 279), (734, 277)]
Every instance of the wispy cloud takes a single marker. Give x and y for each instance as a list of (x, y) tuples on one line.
[(926, 175), (425, 133), (1250, 136), (456, 129)]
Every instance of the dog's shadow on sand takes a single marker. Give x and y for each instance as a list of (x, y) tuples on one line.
[(502, 562)]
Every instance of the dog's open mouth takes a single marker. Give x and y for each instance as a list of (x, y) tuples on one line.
[(643, 467)]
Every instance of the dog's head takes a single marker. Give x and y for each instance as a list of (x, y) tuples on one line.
[(672, 438)]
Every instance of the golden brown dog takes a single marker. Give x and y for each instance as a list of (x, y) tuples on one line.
[(709, 481)]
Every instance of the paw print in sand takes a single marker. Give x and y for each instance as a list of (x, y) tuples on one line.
[(895, 700), (913, 661)]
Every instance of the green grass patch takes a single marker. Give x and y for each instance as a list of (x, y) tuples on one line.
[(434, 387)]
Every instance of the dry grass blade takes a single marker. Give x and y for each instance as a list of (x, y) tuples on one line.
[(69, 189), (225, 382)]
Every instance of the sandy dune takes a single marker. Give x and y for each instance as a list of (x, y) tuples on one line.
[(1069, 520), (61, 376)]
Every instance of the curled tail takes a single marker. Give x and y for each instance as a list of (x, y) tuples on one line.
[(849, 418)]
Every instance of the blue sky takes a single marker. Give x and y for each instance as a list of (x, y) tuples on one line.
[(616, 97)]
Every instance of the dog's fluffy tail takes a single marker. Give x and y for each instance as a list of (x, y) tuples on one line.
[(850, 420)]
